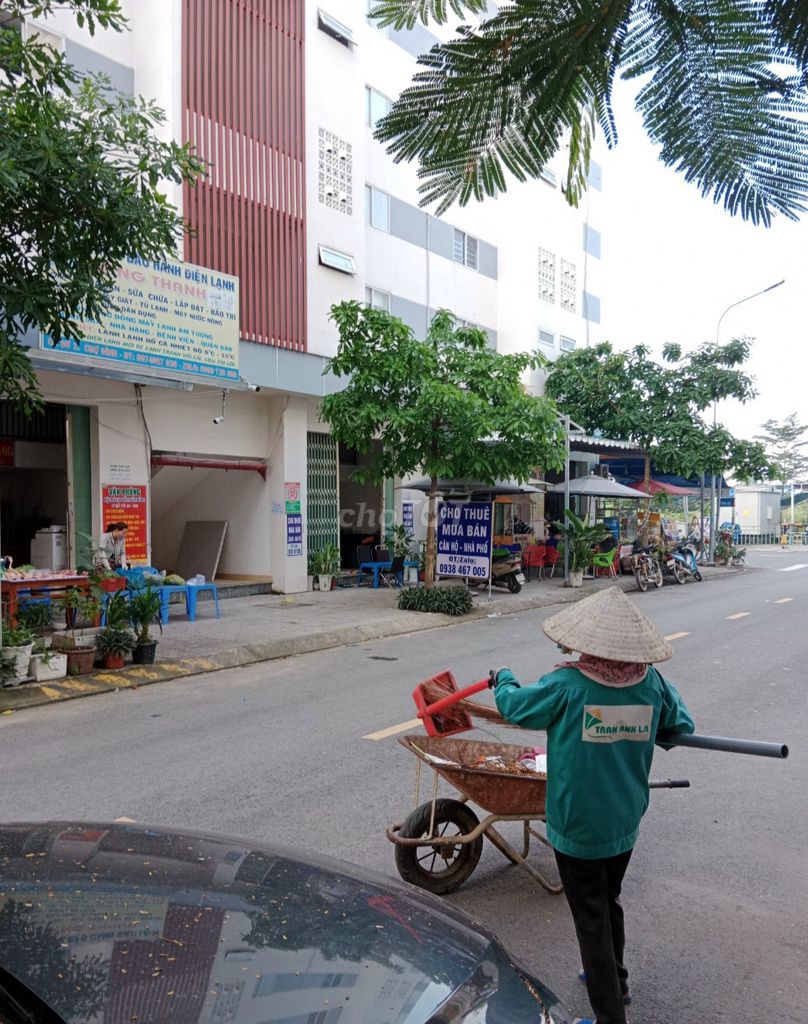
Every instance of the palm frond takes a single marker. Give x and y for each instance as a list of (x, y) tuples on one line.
[(789, 22), (403, 14), (722, 116), (501, 97)]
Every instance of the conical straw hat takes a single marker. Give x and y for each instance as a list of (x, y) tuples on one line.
[(608, 625)]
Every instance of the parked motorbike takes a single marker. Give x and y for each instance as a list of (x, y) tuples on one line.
[(646, 568), (686, 554), (506, 571)]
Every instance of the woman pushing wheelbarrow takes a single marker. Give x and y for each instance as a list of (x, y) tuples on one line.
[(601, 713)]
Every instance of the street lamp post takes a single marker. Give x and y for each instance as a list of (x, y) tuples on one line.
[(715, 500)]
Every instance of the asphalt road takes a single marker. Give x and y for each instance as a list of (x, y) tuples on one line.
[(716, 896)]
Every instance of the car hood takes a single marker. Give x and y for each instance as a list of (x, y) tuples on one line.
[(134, 924)]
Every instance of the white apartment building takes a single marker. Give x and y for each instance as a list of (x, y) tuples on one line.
[(306, 209)]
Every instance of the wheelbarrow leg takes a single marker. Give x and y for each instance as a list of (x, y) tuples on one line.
[(515, 857)]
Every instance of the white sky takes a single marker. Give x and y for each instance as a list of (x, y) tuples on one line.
[(674, 261)]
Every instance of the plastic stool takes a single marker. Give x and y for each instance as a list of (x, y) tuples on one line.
[(193, 593), (165, 595)]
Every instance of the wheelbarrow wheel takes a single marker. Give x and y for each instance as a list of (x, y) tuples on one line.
[(439, 869)]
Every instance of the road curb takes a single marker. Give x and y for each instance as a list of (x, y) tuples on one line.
[(134, 676)]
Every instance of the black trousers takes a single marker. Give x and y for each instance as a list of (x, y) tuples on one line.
[(592, 888)]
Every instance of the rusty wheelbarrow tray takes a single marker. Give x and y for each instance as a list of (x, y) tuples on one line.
[(439, 844)]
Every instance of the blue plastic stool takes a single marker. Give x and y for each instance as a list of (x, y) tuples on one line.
[(165, 595), (193, 593)]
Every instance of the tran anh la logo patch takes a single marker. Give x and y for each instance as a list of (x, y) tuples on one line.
[(605, 724)]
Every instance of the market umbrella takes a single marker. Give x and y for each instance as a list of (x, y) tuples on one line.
[(660, 487), (471, 487), (594, 486)]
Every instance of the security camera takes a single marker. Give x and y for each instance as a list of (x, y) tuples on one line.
[(218, 419), (254, 387)]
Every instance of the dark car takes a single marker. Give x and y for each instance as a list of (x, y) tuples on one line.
[(129, 924)]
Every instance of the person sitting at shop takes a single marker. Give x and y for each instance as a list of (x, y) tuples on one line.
[(607, 544), (113, 546), (552, 537)]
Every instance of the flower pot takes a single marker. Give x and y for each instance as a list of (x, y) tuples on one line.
[(112, 661), (22, 659), (576, 578), (76, 640), (80, 661), (324, 581), (54, 668), (111, 585), (143, 654)]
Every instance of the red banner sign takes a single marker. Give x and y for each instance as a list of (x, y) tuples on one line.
[(6, 453), (128, 503)]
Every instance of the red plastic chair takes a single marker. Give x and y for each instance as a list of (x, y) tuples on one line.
[(551, 559), (533, 557)]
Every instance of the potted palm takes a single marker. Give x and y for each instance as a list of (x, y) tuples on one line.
[(113, 643), (327, 565), (144, 612), (579, 539), (82, 621), (402, 548), (18, 643)]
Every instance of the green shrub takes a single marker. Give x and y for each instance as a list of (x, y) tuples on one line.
[(36, 616), (443, 600)]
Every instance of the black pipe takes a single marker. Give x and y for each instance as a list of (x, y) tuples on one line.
[(732, 746), (669, 783)]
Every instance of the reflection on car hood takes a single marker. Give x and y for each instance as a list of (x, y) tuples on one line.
[(128, 924)]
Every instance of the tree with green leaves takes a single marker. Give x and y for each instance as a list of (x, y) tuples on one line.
[(785, 442), (659, 407), (81, 168), (722, 95), (449, 406)]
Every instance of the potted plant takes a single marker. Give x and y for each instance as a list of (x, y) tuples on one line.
[(144, 611), (47, 664), (327, 562), (580, 539), (401, 539), (8, 668), (37, 615), (113, 643), (311, 570), (18, 643), (82, 620)]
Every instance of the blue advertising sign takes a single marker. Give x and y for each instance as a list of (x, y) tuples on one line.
[(465, 538), (406, 515), (294, 534)]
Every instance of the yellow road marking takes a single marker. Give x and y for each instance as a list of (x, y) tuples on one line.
[(78, 686), (783, 600), (52, 693), (739, 615), (413, 723), (676, 636)]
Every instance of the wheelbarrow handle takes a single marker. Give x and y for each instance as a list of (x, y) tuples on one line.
[(669, 783), (724, 743)]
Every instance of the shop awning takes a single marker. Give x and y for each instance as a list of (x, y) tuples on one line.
[(594, 486), (660, 487)]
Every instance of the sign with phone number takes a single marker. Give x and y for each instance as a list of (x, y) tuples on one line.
[(465, 539)]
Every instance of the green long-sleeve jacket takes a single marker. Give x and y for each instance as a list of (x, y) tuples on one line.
[(600, 741)]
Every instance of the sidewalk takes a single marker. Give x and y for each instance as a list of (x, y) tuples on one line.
[(267, 626)]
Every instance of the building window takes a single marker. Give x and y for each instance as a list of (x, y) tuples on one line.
[(465, 249), (44, 37), (566, 344), (334, 28), (568, 286), (377, 208), (377, 106), (335, 259), (547, 275), (546, 338), (335, 172), (549, 176), (375, 298)]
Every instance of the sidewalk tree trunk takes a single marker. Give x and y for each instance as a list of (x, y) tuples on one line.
[(81, 188), (447, 407)]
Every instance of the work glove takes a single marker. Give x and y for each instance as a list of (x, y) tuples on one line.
[(493, 677)]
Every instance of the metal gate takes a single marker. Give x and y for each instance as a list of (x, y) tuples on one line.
[(322, 500)]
